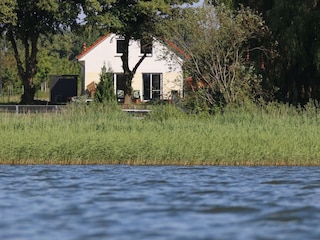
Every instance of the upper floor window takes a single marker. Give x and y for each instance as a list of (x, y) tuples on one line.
[(120, 46), (146, 47)]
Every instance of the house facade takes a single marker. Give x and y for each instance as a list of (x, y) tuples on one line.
[(158, 77)]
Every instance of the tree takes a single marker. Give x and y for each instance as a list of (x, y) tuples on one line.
[(9, 74), (258, 5), (218, 41), (7, 14), (132, 20), (105, 89), (25, 21), (295, 26), (55, 56)]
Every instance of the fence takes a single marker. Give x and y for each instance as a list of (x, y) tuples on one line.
[(30, 108), (23, 109)]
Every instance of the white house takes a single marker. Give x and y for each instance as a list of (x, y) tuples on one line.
[(158, 77)]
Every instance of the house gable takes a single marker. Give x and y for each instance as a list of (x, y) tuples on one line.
[(107, 52), (87, 50)]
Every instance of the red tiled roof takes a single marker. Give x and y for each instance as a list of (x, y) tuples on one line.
[(179, 50), (88, 49)]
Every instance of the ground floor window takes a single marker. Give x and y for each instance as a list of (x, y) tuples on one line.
[(152, 86), (120, 85)]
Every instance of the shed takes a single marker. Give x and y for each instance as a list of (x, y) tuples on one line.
[(63, 88)]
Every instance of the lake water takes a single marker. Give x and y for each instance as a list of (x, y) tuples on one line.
[(163, 202)]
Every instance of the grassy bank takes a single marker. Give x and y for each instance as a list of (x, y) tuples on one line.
[(277, 135)]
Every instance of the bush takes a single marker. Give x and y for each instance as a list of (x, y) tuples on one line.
[(105, 89)]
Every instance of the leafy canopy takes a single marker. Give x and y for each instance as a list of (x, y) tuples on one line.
[(217, 40), (24, 21), (130, 17)]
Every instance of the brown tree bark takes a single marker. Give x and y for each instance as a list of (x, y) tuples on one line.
[(128, 73)]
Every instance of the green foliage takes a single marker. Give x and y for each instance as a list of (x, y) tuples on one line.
[(216, 39), (28, 21), (101, 134), (83, 34), (195, 103), (105, 88), (55, 53), (55, 57), (295, 29), (135, 19), (7, 16), (161, 113), (10, 77)]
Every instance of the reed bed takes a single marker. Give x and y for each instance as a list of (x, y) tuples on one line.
[(273, 135)]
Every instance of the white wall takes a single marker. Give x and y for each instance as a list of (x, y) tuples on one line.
[(105, 53)]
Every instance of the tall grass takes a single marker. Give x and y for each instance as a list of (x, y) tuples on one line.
[(273, 135)]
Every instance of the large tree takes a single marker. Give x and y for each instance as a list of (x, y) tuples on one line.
[(132, 20), (55, 56), (295, 26), (24, 21), (220, 43)]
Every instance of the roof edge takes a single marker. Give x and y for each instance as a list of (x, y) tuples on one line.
[(96, 43), (177, 49), (101, 39)]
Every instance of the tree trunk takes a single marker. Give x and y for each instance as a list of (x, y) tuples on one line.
[(27, 72), (127, 100), (128, 91), (129, 74), (29, 91)]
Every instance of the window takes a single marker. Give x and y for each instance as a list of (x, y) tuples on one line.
[(152, 86), (120, 85), (120, 46), (146, 46)]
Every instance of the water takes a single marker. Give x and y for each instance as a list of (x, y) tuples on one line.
[(170, 202)]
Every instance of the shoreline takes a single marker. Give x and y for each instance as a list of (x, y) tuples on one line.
[(248, 163)]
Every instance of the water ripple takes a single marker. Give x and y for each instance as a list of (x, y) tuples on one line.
[(169, 202)]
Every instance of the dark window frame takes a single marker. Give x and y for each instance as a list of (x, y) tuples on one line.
[(150, 90), (146, 47), (120, 46)]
